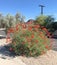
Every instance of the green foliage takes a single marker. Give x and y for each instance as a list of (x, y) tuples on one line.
[(10, 21), (52, 27), (49, 21), (19, 18), (44, 20), (29, 40), (41, 20)]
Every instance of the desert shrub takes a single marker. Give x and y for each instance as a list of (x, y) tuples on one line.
[(28, 40)]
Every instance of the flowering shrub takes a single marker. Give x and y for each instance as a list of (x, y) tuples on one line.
[(29, 40)]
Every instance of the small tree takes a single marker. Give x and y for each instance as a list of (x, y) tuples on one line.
[(40, 20), (19, 18), (45, 20), (49, 21)]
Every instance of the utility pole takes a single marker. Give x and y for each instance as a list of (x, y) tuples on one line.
[(42, 6)]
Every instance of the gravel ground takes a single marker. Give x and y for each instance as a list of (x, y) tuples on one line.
[(50, 58), (14, 61), (5, 55)]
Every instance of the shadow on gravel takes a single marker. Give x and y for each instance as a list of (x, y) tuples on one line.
[(55, 49), (4, 51), (2, 37), (54, 44)]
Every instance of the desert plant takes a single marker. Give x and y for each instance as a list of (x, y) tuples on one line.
[(29, 40)]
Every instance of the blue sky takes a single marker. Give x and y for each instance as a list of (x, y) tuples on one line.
[(29, 8)]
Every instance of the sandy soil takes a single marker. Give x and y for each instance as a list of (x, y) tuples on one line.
[(14, 61), (6, 60), (50, 58), (3, 42)]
